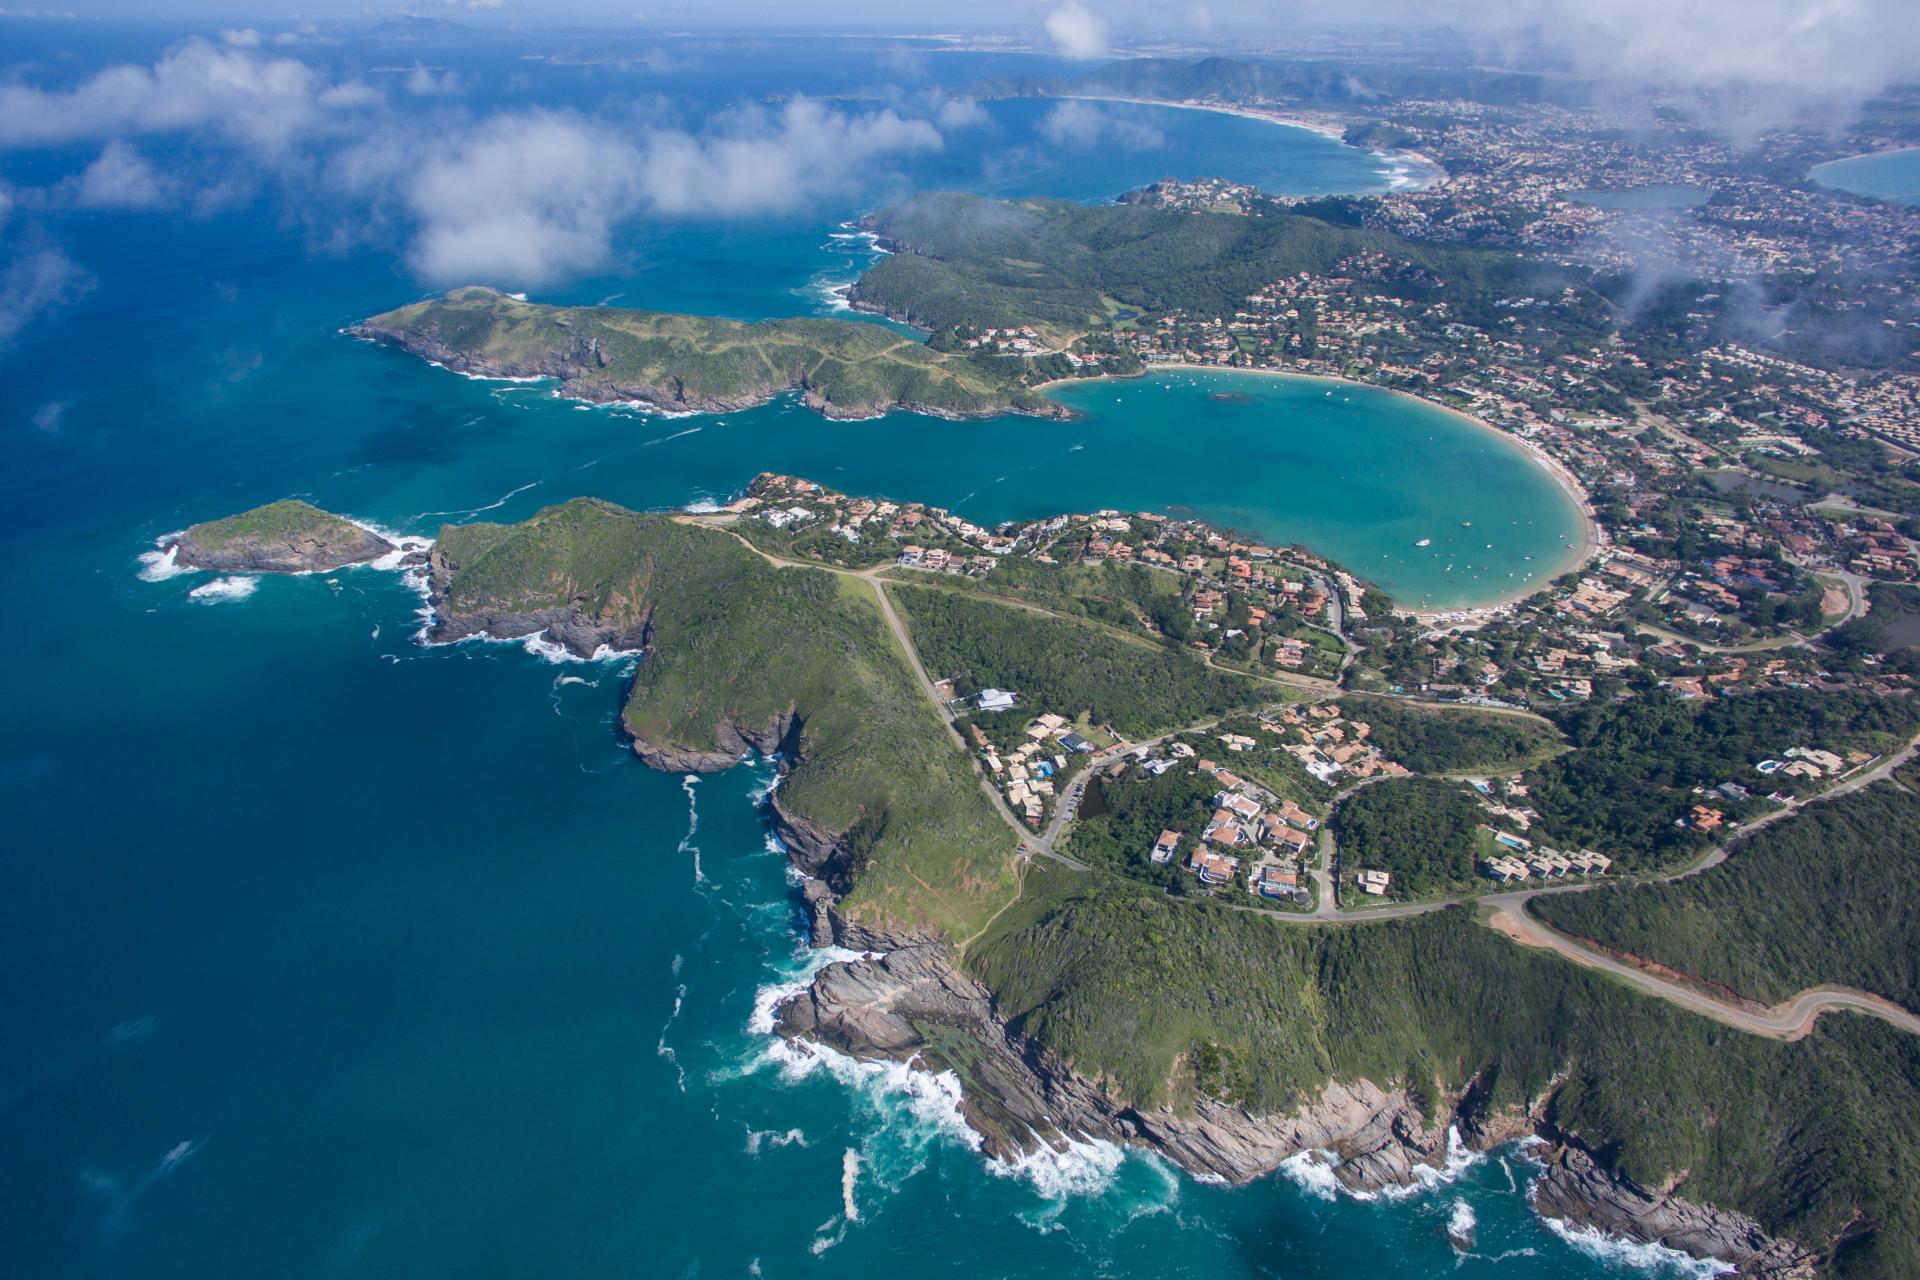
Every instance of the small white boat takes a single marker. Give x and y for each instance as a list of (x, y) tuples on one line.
[(1424, 542)]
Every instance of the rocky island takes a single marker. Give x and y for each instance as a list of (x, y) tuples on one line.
[(695, 364), (289, 536)]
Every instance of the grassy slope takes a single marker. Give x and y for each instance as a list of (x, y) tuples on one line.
[(854, 366), (1057, 664), (286, 521), (1824, 897), (1056, 263), (1159, 996), (738, 641)]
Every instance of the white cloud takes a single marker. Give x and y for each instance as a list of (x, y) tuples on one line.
[(432, 82), (121, 179), (1078, 31), (961, 113), (532, 197), (262, 101), (761, 161), (241, 38), (523, 200), (1081, 125), (32, 283)]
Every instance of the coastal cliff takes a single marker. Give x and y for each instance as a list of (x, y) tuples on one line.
[(914, 1005), (289, 536), (696, 364)]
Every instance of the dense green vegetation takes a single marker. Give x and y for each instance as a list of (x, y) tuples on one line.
[(1067, 666), (1453, 741), (1425, 831), (275, 524), (737, 642), (1162, 997), (1132, 596), (1055, 263), (1635, 764), (1824, 897), (845, 368), (1117, 831)]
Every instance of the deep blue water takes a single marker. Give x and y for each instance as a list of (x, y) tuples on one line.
[(323, 954)]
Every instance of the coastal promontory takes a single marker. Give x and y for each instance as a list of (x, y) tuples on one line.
[(289, 536), (699, 364)]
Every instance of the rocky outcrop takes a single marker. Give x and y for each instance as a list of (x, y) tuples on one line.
[(1577, 1190), (571, 627), (914, 1005), (326, 547)]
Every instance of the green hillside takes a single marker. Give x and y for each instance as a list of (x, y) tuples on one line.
[(843, 368), (964, 259), (738, 642), (1161, 997)]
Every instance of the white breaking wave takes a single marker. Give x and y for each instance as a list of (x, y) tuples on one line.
[(160, 564), (1312, 1172), (219, 589), (759, 1139), (663, 1049), (1080, 1167), (1461, 1222), (1426, 1177), (1656, 1258), (489, 377), (771, 996), (687, 784), (849, 1180), (547, 650)]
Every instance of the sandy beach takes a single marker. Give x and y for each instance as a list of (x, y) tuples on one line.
[(1591, 538), (1431, 173)]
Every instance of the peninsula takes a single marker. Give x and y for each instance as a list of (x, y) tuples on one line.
[(696, 364), (977, 757)]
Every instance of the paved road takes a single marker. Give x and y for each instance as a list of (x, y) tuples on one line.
[(1789, 1020)]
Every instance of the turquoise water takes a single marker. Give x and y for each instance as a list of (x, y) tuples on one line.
[(1888, 175), (323, 954)]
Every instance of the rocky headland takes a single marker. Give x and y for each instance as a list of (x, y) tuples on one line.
[(696, 364), (910, 1003)]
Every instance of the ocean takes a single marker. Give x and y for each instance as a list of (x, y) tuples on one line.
[(326, 954), (1885, 175)]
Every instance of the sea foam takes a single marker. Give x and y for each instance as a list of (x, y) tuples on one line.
[(235, 588)]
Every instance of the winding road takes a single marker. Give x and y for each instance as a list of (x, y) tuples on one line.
[(1788, 1020)]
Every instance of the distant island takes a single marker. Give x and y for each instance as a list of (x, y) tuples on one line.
[(697, 364)]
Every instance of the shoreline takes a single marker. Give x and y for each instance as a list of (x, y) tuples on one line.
[(1591, 537), (1432, 175)]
